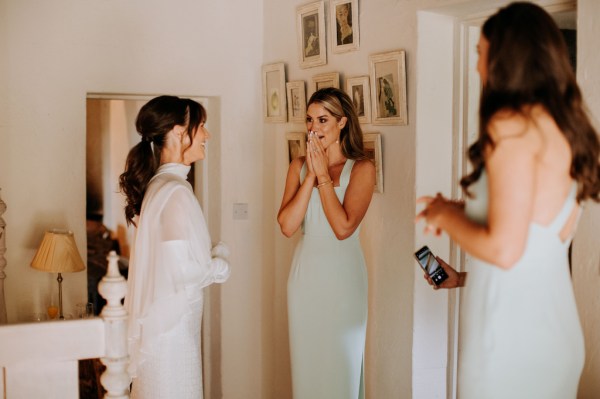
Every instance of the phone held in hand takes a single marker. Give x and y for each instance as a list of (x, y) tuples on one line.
[(430, 265)]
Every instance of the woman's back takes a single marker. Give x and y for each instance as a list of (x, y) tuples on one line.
[(537, 132)]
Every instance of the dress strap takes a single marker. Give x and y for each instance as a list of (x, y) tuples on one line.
[(561, 218), (346, 171)]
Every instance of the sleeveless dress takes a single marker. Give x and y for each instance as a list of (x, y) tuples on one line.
[(520, 332), (327, 306)]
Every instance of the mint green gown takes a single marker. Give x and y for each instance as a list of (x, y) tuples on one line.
[(327, 307), (520, 334)]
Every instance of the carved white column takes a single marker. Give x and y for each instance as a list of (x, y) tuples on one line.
[(113, 288), (2, 262)]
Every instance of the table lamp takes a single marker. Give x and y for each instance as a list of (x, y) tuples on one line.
[(58, 254)]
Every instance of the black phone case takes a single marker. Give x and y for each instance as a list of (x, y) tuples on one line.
[(439, 275)]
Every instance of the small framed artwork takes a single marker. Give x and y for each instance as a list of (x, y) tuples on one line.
[(274, 101), (310, 27), (372, 143), (344, 25), (388, 88), (322, 80), (296, 101), (296, 145), (359, 91)]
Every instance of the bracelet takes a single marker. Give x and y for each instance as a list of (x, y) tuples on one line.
[(324, 183)]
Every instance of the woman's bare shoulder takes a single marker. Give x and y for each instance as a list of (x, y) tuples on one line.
[(363, 167), (523, 127), (364, 164)]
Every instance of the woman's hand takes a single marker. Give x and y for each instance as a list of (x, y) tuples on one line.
[(434, 208), (455, 279), (317, 158)]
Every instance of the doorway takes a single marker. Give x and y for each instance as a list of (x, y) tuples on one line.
[(110, 133)]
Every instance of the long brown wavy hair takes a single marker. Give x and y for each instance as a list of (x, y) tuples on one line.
[(339, 104), (156, 118), (528, 64)]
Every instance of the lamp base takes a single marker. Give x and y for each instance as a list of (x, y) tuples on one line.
[(60, 308)]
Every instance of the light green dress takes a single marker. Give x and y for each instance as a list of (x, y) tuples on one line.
[(327, 306), (520, 334)]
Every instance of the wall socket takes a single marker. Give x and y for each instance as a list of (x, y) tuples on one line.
[(240, 211)]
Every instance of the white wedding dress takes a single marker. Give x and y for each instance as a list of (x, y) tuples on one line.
[(171, 263)]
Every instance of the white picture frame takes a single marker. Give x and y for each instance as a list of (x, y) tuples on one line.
[(322, 80), (296, 145), (359, 91), (388, 88), (372, 145), (274, 93), (311, 35), (296, 101), (344, 28)]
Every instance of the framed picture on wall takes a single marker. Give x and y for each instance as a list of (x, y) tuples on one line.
[(274, 95), (296, 101), (322, 80), (372, 143), (344, 25), (296, 145), (310, 27), (388, 88), (360, 92)]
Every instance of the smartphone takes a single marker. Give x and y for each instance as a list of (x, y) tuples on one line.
[(430, 265)]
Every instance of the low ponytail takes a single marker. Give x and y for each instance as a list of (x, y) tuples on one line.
[(140, 166)]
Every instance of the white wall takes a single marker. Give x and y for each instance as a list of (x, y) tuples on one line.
[(586, 251), (51, 55)]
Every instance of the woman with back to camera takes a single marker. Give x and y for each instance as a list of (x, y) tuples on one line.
[(328, 193), (171, 257), (534, 163)]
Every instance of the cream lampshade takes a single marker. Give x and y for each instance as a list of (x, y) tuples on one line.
[(58, 254)]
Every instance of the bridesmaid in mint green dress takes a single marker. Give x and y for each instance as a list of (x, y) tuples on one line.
[(535, 162), (327, 193)]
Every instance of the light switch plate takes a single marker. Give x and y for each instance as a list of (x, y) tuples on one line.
[(240, 211)]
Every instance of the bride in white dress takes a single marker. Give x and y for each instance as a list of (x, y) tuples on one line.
[(535, 161), (171, 258)]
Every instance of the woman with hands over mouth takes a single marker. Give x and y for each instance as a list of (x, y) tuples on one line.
[(535, 161), (327, 193)]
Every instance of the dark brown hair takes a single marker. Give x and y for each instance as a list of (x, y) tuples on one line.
[(528, 64), (338, 104), (156, 118)]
